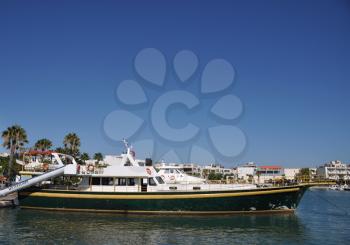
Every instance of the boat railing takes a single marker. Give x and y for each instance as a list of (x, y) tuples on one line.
[(113, 188), (40, 169), (85, 170)]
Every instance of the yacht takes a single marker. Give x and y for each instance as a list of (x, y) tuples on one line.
[(123, 184)]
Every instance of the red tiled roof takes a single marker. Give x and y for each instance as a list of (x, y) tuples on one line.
[(35, 152)]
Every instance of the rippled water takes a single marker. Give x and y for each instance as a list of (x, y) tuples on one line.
[(323, 217)]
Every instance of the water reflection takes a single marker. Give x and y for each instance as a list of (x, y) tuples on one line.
[(85, 228)]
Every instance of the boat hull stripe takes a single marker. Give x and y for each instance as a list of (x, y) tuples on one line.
[(161, 211), (154, 196)]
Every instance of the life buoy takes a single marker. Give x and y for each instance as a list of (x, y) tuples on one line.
[(172, 177), (148, 170), (90, 167)]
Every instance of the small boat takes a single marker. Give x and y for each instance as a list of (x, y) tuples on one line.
[(123, 184), (338, 187), (346, 187), (333, 187)]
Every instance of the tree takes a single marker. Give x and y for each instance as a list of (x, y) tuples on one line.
[(60, 150), (4, 163), (84, 157), (304, 175), (14, 137), (98, 156), (214, 176), (43, 144), (71, 144)]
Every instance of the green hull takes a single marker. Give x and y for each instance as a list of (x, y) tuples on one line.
[(258, 200)]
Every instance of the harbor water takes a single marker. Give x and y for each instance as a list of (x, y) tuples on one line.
[(323, 217)]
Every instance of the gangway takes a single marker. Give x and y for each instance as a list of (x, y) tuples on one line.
[(60, 168), (32, 181)]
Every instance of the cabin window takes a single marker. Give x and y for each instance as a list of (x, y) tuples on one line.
[(166, 171), (96, 181), (130, 181), (151, 182), (160, 180), (127, 162), (171, 171), (122, 181), (144, 181), (107, 181)]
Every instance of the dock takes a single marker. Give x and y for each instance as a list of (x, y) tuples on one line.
[(10, 200)]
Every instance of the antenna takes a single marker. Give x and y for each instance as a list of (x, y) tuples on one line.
[(126, 144)]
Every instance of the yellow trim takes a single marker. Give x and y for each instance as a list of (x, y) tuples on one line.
[(151, 196), (160, 211)]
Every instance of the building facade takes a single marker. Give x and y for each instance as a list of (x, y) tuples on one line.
[(269, 174), (246, 172), (291, 173), (334, 170), (216, 169)]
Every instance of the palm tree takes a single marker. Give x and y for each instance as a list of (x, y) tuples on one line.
[(98, 156), (71, 143), (14, 137), (84, 157), (60, 150), (43, 144)]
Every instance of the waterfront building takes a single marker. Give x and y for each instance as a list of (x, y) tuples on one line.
[(291, 173), (269, 174), (313, 173), (192, 169), (247, 172), (188, 168), (334, 170), (217, 169)]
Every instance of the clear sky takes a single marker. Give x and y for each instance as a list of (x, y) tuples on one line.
[(62, 61)]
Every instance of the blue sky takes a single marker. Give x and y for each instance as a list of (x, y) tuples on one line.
[(61, 62)]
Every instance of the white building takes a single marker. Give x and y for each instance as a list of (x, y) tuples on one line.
[(192, 169), (252, 173), (269, 174), (217, 169), (290, 173), (246, 172), (188, 168), (334, 170), (313, 173)]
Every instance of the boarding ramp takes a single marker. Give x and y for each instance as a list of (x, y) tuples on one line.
[(32, 181)]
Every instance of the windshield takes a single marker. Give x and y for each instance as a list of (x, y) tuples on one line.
[(151, 182), (159, 179)]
